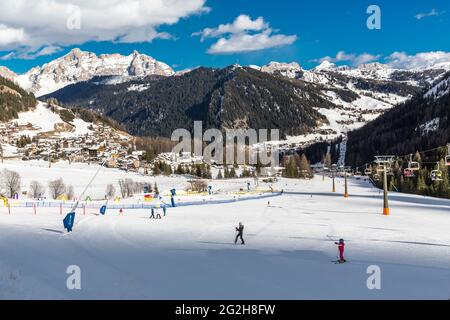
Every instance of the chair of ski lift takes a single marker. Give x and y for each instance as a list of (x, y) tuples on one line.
[(376, 177), (414, 166), (436, 175)]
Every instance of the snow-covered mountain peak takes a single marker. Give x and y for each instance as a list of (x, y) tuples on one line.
[(78, 65), (7, 73), (325, 65), (374, 66), (290, 70)]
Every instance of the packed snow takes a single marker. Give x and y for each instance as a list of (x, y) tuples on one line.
[(190, 253), (44, 118)]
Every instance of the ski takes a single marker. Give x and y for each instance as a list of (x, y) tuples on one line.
[(339, 262)]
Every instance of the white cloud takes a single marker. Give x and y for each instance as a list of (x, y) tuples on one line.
[(401, 60), (247, 42), (241, 24), (31, 25), (432, 13), (10, 36), (352, 58), (244, 35)]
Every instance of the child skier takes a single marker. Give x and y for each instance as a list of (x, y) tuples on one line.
[(341, 247), (240, 233)]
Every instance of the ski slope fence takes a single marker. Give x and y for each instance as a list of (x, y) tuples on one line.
[(128, 206)]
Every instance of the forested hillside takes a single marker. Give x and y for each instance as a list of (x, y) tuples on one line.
[(417, 134), (13, 100), (233, 97)]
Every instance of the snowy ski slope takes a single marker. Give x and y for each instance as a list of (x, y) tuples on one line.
[(190, 254)]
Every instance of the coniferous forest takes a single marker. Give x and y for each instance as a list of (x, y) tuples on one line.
[(13, 100), (417, 131)]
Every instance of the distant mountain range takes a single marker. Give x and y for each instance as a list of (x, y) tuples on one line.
[(149, 98), (420, 124)]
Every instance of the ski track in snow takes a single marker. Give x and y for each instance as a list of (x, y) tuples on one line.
[(190, 253)]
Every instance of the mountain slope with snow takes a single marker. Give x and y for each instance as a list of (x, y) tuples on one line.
[(7, 73), (79, 66), (231, 98), (360, 94), (423, 123), (13, 99)]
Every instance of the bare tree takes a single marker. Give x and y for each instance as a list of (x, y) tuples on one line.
[(70, 192), (57, 188), (123, 190), (129, 186), (10, 181), (138, 187), (37, 190), (198, 185), (110, 191)]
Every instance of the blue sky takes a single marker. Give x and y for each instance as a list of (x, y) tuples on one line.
[(322, 28)]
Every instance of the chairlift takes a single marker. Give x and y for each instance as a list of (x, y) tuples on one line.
[(436, 175), (413, 165)]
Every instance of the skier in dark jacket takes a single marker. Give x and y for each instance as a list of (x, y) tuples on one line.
[(240, 233), (341, 247)]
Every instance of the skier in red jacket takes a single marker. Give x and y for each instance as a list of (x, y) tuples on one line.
[(341, 247)]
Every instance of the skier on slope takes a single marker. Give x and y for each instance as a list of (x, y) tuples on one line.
[(240, 233), (341, 247)]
